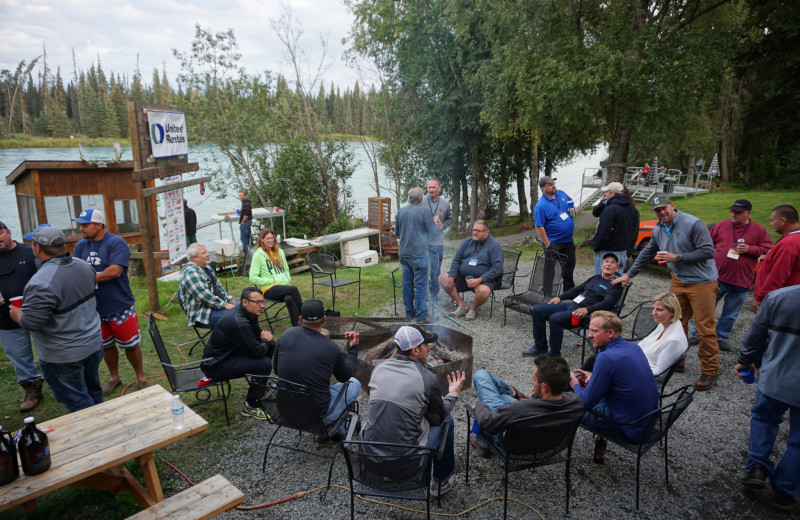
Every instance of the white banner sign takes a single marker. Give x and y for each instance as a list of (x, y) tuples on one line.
[(176, 228), (168, 135)]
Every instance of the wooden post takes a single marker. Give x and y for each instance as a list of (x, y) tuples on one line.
[(146, 169)]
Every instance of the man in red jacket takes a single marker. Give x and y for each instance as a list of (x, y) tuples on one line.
[(781, 267), (738, 242)]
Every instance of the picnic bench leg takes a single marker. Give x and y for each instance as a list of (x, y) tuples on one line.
[(131, 484), (151, 476), (29, 506)]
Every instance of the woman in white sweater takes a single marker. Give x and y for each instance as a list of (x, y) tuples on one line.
[(667, 343)]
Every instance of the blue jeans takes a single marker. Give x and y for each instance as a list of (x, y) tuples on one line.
[(560, 317), (767, 416), (604, 427), (244, 234), (622, 256), (334, 412), (76, 385), (494, 393), (444, 468), (435, 253), (415, 285), (16, 344), (734, 301)]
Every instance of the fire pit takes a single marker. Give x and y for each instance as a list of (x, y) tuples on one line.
[(452, 352)]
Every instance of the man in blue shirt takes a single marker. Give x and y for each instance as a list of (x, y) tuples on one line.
[(621, 385), (479, 258), (552, 217), (414, 225), (108, 254)]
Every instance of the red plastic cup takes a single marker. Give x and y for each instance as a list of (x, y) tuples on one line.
[(575, 320), (16, 301), (662, 262)]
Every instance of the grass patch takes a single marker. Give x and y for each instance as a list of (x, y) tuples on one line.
[(31, 141)]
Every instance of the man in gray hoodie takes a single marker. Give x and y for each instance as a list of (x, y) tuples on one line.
[(59, 310)]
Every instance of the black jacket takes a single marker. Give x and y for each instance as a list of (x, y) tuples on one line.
[(236, 334), (619, 226)]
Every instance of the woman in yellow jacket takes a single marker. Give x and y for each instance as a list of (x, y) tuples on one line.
[(270, 272)]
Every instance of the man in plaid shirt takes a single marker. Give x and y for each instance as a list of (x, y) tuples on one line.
[(202, 296)]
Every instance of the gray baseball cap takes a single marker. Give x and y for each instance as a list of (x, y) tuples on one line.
[(544, 181), (46, 235)]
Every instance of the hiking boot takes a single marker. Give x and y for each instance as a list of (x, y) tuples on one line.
[(110, 386), (427, 320), (784, 502), (483, 451), (254, 412), (756, 478), (693, 341), (33, 394), (723, 345), (705, 382)]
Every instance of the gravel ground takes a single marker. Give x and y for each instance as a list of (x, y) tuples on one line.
[(708, 447)]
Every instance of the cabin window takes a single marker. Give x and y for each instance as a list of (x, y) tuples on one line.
[(127, 216), (27, 212), (61, 210)]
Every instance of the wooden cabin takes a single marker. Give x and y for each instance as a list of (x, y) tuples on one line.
[(55, 192)]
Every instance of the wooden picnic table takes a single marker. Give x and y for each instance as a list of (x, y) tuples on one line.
[(88, 448)]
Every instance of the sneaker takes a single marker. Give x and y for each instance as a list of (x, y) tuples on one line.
[(693, 341), (483, 451), (782, 501), (426, 320), (254, 412), (110, 386), (531, 352), (723, 345), (144, 383), (459, 312), (447, 486), (756, 478), (470, 315)]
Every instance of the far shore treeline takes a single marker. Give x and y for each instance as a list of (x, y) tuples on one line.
[(479, 94)]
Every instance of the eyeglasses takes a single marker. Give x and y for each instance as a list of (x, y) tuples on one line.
[(257, 302), (475, 230)]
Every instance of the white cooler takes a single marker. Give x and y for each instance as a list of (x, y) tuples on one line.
[(223, 247), (362, 259), (351, 247)]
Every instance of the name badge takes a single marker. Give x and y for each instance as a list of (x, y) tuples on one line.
[(473, 261), (733, 254), (564, 216), (579, 298)]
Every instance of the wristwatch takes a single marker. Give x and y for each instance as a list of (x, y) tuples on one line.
[(678, 258)]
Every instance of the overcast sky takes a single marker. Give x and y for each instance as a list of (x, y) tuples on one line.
[(118, 31)]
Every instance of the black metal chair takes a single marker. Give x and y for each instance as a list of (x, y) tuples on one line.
[(291, 405), (545, 282), (510, 265), (643, 323), (582, 330), (272, 309), (325, 266), (657, 425), (533, 442), (197, 327), (385, 469), (186, 377)]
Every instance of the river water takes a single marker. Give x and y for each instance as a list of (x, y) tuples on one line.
[(361, 183)]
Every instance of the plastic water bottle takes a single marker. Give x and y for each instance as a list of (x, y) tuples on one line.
[(748, 376), (177, 413)]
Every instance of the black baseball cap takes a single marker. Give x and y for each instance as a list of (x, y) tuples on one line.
[(742, 205), (312, 310)]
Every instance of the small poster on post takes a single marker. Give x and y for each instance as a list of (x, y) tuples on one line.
[(176, 228), (168, 134)]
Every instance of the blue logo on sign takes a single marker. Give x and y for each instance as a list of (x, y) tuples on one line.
[(157, 133)]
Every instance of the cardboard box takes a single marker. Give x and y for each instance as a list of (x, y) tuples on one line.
[(362, 259), (352, 247)]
